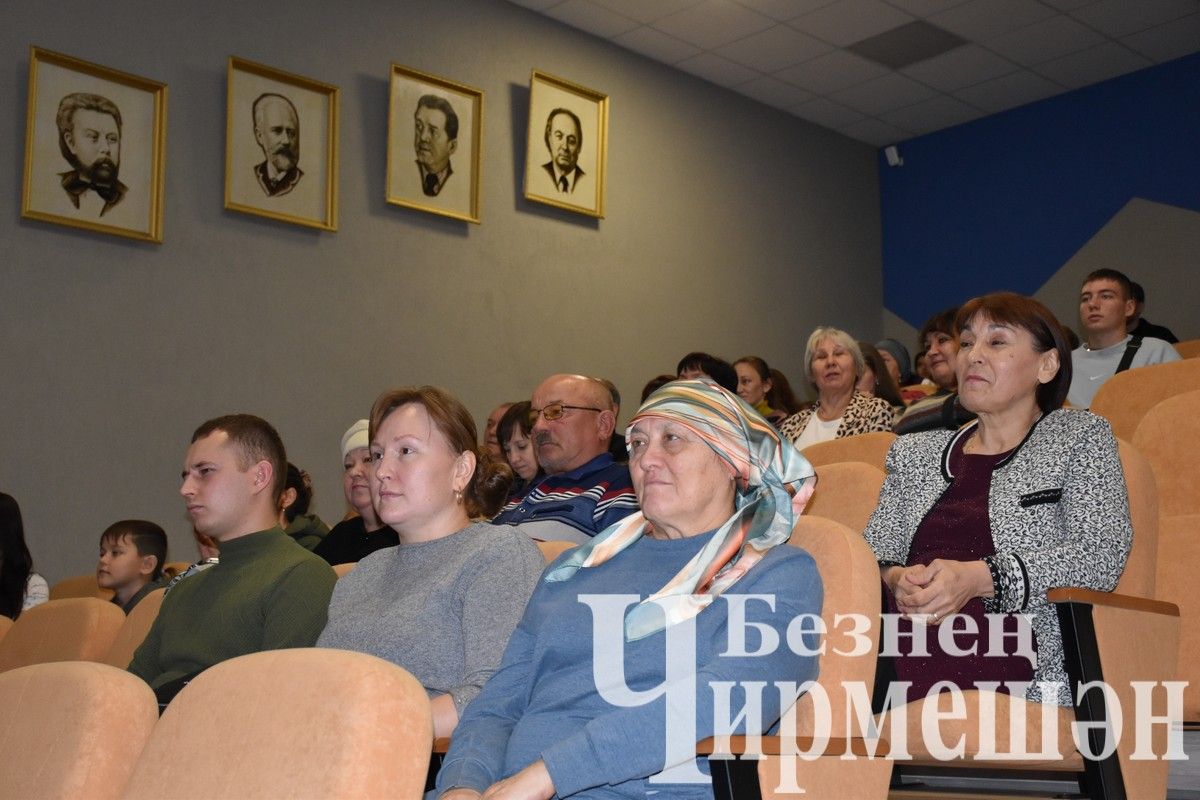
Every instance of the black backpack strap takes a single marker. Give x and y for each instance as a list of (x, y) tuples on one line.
[(1130, 351)]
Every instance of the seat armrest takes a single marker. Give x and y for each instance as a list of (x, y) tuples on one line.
[(1091, 597), (737, 746)]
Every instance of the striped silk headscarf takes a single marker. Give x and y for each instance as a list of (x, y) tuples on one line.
[(769, 471)]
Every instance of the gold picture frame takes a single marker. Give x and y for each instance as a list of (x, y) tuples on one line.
[(281, 145), (81, 112), (439, 121), (574, 176)]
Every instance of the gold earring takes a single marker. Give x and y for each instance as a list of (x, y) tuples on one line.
[(458, 496)]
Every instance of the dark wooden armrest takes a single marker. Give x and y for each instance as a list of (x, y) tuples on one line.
[(836, 746), (1073, 594)]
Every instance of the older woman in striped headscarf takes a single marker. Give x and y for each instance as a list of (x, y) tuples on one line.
[(579, 706)]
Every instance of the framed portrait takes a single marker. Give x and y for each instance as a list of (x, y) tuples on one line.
[(95, 147), (567, 145), (435, 136), (281, 147)]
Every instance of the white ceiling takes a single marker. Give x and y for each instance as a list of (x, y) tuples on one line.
[(792, 54)]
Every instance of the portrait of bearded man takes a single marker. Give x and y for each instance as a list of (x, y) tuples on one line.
[(277, 131), (89, 137)]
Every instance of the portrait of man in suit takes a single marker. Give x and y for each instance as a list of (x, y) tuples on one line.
[(277, 131), (564, 138), (435, 138), (89, 136)]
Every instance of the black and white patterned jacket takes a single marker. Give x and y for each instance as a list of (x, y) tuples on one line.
[(1059, 514)]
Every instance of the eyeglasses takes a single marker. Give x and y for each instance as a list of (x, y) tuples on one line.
[(555, 411)]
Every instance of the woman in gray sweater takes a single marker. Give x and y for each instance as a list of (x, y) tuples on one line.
[(443, 603)]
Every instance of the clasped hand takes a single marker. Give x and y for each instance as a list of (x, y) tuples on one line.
[(940, 588)]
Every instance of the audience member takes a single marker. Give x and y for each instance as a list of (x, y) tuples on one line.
[(654, 384), (307, 530), (514, 431), (490, 441), (920, 367), (541, 727), (133, 553), (699, 365), (895, 356), (442, 603), (876, 380), (266, 593), (941, 410), (985, 520), (834, 363), (20, 587), (584, 490), (616, 442), (754, 386), (1137, 325), (356, 537), (209, 556), (781, 397), (1105, 302)]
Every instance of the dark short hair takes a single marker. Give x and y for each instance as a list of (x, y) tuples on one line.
[(656, 383), (489, 484), (1137, 291), (255, 440), (77, 101), (264, 96), (578, 125), (1019, 311), (941, 322), (517, 417), (716, 368), (148, 540), (443, 105), (301, 481), (1116, 276)]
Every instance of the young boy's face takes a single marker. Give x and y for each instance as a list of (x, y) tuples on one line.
[(121, 566)]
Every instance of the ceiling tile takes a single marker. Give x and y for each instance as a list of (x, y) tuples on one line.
[(1166, 42), (774, 49), (712, 24), (1093, 65), (984, 19), (1068, 5), (827, 113), (876, 132), (925, 8), (1122, 17), (882, 94), (592, 18), (657, 45), (961, 67), (933, 114), (911, 43), (831, 72), (1042, 41), (536, 5), (784, 9), (720, 71), (850, 21), (1009, 91), (643, 11), (774, 92)]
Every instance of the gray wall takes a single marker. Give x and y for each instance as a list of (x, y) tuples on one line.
[(731, 227)]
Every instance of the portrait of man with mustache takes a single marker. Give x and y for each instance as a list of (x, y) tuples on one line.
[(89, 136), (277, 131), (435, 138)]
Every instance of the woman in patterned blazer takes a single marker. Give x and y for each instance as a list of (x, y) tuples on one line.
[(986, 519), (834, 364)]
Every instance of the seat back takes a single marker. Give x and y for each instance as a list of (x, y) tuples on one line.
[(5, 624), (1178, 555), (308, 722), (342, 570), (1188, 349), (552, 550), (847, 492), (850, 576), (74, 629), (1138, 578), (137, 625), (1126, 397), (1169, 436), (79, 586), (72, 729), (173, 568), (869, 447)]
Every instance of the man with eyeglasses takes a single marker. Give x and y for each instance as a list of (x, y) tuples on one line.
[(584, 490)]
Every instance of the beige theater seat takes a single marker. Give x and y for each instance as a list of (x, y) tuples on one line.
[(869, 447), (1126, 397), (137, 625), (342, 570), (1188, 349), (5, 624), (301, 723), (71, 730), (79, 586), (74, 629), (847, 492), (552, 550)]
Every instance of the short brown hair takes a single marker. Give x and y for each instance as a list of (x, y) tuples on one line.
[(489, 484), (256, 440), (944, 321), (1116, 276), (1019, 311), (148, 539)]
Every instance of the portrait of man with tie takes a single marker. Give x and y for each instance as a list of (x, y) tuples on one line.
[(435, 138), (568, 123), (564, 138), (277, 131), (89, 136)]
